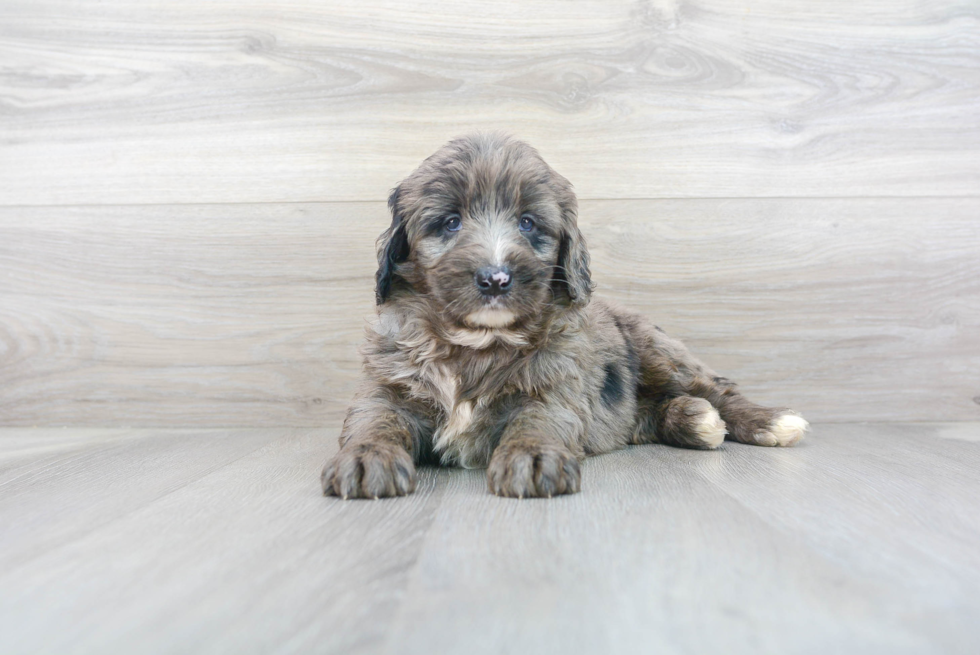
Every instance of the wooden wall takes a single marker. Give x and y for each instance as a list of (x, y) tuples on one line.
[(189, 192)]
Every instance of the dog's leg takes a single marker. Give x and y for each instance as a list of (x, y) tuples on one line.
[(377, 445), (747, 422), (669, 373), (683, 421), (538, 454)]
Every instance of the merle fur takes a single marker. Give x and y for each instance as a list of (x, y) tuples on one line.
[(566, 376)]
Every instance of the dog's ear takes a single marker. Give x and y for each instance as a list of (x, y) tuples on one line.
[(392, 249), (572, 279)]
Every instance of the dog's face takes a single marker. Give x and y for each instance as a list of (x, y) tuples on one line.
[(487, 232)]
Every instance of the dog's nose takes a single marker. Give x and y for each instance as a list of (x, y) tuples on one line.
[(494, 280)]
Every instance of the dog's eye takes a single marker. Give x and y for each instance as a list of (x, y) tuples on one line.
[(453, 223), (527, 223)]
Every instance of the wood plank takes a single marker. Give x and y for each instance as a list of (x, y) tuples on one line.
[(829, 547), (251, 315), (850, 310), (202, 315), (862, 539), (57, 484), (249, 558), (892, 502), (177, 101)]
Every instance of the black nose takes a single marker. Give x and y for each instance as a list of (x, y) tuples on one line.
[(494, 280)]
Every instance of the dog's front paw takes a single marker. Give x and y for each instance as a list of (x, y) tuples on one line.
[(525, 469), (369, 470)]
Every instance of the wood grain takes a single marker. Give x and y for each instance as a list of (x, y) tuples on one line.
[(217, 315), (737, 550), (89, 478), (249, 101), (249, 558), (861, 539)]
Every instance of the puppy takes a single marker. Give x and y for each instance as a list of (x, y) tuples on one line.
[(489, 351)]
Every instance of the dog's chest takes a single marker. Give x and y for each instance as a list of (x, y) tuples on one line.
[(440, 383), (456, 431)]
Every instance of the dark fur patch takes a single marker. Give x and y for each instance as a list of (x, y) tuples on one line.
[(395, 252), (612, 386), (435, 225), (632, 361), (394, 249), (537, 239), (572, 277)]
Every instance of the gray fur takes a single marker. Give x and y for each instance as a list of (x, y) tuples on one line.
[(526, 384)]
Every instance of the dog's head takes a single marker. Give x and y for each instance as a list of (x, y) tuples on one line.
[(487, 232)]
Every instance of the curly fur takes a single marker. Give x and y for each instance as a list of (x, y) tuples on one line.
[(526, 383)]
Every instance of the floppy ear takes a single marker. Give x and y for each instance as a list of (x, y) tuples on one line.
[(392, 249), (573, 280)]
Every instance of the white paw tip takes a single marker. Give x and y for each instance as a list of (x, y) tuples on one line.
[(787, 429), (711, 429)]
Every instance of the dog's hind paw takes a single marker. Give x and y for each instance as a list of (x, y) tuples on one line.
[(709, 428), (785, 430)]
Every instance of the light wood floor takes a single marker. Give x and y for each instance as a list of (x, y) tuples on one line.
[(866, 538)]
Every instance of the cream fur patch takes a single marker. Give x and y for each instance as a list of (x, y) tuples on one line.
[(459, 419), (442, 385), (711, 429), (786, 430), (484, 337), (491, 317)]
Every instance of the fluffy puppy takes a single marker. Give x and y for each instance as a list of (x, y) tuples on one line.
[(488, 350)]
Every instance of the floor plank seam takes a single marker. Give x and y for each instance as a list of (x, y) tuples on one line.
[(383, 199)]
